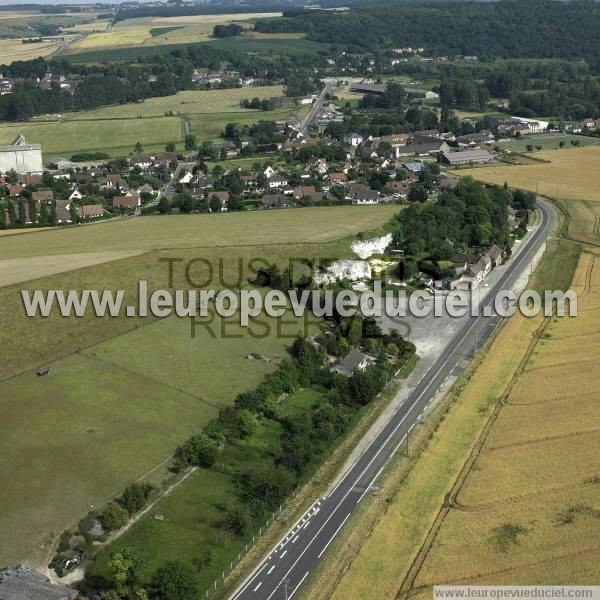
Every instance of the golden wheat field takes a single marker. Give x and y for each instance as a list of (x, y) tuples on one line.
[(570, 173), (532, 496)]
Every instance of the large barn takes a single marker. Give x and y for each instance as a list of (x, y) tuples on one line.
[(21, 157)]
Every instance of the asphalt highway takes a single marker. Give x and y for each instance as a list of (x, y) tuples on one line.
[(283, 571)]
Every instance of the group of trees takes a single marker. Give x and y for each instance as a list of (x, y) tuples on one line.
[(229, 30), (470, 216)]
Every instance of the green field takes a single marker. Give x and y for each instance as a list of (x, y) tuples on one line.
[(116, 129), (549, 141), (188, 102), (115, 137), (111, 414)]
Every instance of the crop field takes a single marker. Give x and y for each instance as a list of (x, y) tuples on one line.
[(113, 412), (531, 495), (570, 173), (302, 225), (135, 32), (12, 50), (188, 102), (115, 137)]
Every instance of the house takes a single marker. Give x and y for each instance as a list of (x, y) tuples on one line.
[(424, 146), (337, 178), (353, 361), (42, 196), (14, 189), (473, 140), (512, 218), (127, 202), (91, 211), (269, 172), (75, 195), (495, 255), (366, 197), (414, 167), (274, 200), (276, 181), (142, 161), (303, 190), (186, 178), (465, 157), (24, 583), (396, 141), (353, 139), (63, 212), (113, 182), (146, 188), (30, 179), (223, 198), (447, 182), (250, 182)]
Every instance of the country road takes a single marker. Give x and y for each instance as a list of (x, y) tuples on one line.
[(314, 111), (288, 564)]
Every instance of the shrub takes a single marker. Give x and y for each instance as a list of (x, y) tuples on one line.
[(113, 516)]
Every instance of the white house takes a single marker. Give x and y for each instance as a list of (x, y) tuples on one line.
[(353, 139)]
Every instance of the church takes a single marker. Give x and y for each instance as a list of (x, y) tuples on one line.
[(21, 157)]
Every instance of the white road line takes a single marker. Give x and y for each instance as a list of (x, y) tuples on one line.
[(251, 580), (256, 588), (334, 534), (307, 524), (283, 554), (295, 539), (296, 588), (270, 570), (373, 480)]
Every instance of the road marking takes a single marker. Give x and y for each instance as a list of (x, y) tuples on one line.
[(334, 534), (256, 588), (295, 539), (307, 524), (301, 582), (270, 570), (283, 554)]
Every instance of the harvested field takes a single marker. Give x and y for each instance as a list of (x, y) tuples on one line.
[(573, 173)]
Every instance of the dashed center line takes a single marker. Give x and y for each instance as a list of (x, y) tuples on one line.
[(270, 570), (256, 588)]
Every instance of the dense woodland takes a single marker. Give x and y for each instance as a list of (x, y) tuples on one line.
[(525, 28)]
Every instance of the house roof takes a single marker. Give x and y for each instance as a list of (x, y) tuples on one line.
[(42, 196), (129, 201), (468, 156), (351, 361), (90, 210)]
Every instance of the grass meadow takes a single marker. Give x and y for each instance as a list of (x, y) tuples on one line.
[(125, 391), (113, 136), (155, 122), (187, 102), (188, 519), (112, 413)]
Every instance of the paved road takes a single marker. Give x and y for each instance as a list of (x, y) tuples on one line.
[(315, 110), (282, 573)]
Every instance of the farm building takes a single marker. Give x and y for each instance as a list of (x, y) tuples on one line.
[(21, 157), (467, 156)]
